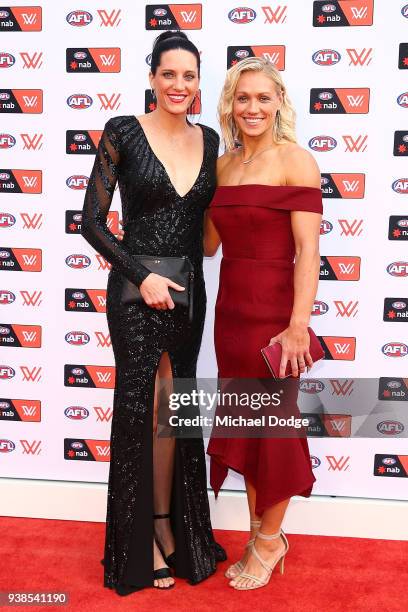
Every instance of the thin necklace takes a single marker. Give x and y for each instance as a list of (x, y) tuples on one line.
[(247, 161)]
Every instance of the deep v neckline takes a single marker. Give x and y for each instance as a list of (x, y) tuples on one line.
[(182, 197)]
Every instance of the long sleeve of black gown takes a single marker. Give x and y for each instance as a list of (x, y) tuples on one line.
[(98, 198)]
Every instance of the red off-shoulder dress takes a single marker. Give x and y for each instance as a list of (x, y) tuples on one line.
[(254, 303)]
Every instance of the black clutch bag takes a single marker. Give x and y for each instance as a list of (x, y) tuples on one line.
[(178, 269)]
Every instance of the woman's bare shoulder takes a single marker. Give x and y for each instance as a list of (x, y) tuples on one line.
[(300, 166)]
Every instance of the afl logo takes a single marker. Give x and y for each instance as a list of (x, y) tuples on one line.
[(78, 262), (78, 295), (79, 18), (399, 305), (6, 372), (79, 101), (77, 445), (4, 405), (4, 254), (328, 8), (4, 95), (241, 53), (7, 141), (6, 60), (315, 461), (390, 428), (242, 14), (319, 308), (77, 181), (404, 11), (326, 57), (311, 385), (395, 349), (77, 217), (159, 12), (6, 446), (4, 176), (79, 137), (389, 461), (400, 185), (325, 95), (149, 59), (77, 371), (398, 268), (7, 219), (76, 413), (322, 144), (4, 330), (4, 14), (393, 384), (77, 338), (403, 223), (325, 227), (403, 99), (324, 180), (79, 55), (7, 297)]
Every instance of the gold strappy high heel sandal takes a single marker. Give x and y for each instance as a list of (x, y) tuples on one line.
[(237, 568), (261, 582)]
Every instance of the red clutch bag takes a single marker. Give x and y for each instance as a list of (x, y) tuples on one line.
[(273, 353)]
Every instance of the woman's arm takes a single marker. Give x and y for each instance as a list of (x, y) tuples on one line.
[(212, 239), (302, 172)]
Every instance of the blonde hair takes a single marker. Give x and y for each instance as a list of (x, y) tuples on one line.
[(284, 126)]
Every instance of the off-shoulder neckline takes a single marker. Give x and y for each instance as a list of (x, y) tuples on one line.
[(269, 186)]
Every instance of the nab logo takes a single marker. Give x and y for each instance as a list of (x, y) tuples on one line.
[(6, 60), (77, 338), (78, 262), (325, 227), (7, 219), (400, 186), (79, 19), (77, 181), (6, 297), (79, 101), (395, 349), (326, 57), (7, 141), (402, 99), (319, 308), (242, 15), (76, 413), (322, 144), (398, 268)]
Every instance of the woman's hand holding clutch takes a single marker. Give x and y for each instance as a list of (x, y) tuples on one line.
[(295, 343)]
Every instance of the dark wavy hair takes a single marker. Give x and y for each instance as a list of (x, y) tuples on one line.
[(172, 40)]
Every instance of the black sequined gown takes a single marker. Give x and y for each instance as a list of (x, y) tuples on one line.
[(157, 221)]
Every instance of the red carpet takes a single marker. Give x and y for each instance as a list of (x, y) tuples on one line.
[(321, 574)]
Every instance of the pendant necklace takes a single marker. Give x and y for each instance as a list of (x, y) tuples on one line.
[(247, 161)]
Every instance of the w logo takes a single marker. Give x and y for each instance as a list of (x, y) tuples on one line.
[(341, 464), (111, 103), (29, 18), (103, 377), (362, 58), (103, 264), (346, 310), (346, 268), (30, 411), (32, 61), (29, 260), (30, 181), (30, 337), (342, 348), (103, 451), (33, 375), (342, 388), (355, 101), (109, 20), (101, 301), (30, 101), (31, 222), (351, 186), (103, 341), (359, 13), (31, 299), (357, 145), (103, 415), (189, 16), (351, 229), (32, 143), (272, 57), (108, 60), (31, 449), (275, 16)]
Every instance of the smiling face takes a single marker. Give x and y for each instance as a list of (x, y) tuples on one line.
[(176, 81), (256, 101)]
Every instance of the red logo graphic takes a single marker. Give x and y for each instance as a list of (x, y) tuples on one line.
[(33, 60), (33, 448), (346, 310), (28, 18), (340, 347), (31, 221), (337, 425), (103, 415), (103, 264), (341, 464), (360, 58), (32, 143), (109, 103), (351, 229), (355, 145), (31, 299), (276, 15), (342, 388), (31, 375), (109, 20), (104, 340)]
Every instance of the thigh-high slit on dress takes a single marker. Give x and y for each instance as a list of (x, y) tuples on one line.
[(254, 303), (157, 221)]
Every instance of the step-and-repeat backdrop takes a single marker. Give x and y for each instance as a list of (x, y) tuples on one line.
[(65, 69)]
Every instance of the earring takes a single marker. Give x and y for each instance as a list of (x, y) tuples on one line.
[(277, 121), (153, 93)]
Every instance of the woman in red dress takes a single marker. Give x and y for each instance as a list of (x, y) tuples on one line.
[(266, 212)]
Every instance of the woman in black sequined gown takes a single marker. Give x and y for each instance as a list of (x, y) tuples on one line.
[(157, 220)]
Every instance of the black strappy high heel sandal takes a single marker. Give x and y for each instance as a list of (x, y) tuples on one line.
[(171, 558)]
